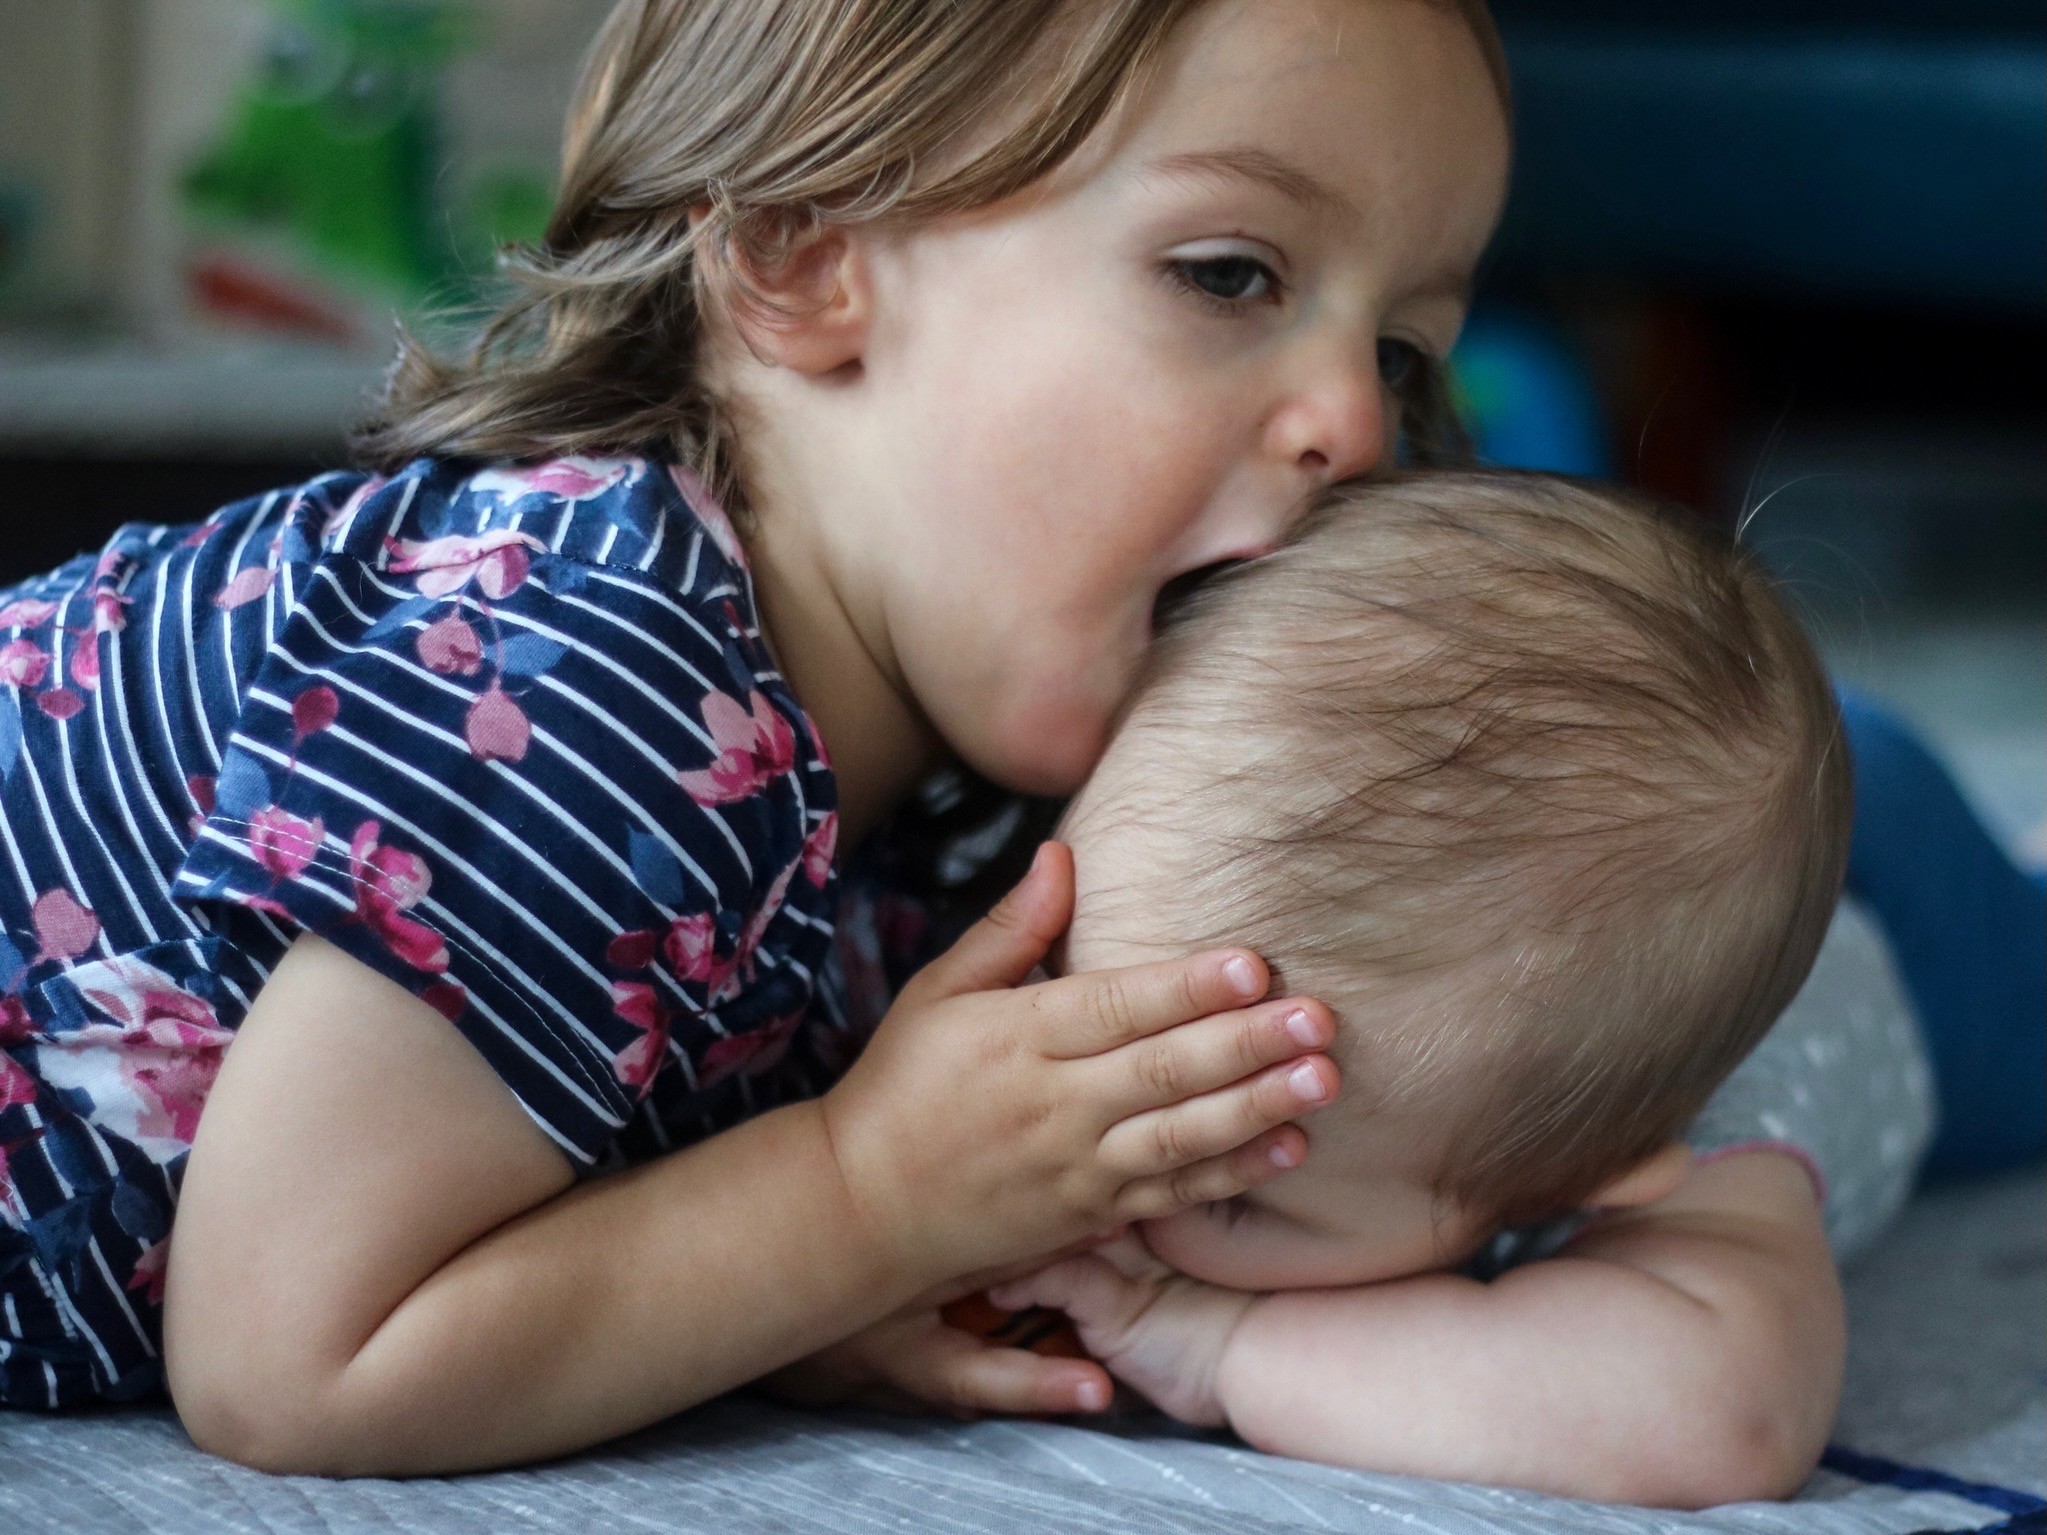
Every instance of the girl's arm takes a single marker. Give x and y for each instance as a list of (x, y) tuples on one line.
[(380, 1264), (1684, 1355)]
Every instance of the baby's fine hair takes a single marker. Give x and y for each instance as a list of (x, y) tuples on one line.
[(1563, 749), (708, 139)]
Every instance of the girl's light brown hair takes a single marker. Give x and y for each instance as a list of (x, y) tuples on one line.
[(707, 138)]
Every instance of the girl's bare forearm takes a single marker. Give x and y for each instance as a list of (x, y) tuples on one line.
[(616, 1304)]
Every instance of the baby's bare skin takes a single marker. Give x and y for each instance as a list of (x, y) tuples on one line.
[(1684, 1353)]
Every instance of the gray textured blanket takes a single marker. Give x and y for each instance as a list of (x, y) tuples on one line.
[(1944, 1429)]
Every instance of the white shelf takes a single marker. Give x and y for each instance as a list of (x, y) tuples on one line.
[(127, 399)]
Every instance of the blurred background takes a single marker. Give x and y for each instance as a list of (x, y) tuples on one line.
[(1782, 260)]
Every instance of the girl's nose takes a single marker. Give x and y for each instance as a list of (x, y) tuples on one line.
[(1334, 424)]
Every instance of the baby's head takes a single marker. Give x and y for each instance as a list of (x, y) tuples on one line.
[(1538, 787)]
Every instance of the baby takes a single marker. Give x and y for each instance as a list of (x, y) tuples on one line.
[(1541, 791)]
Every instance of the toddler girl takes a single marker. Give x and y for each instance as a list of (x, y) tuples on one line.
[(1549, 803), (385, 855)]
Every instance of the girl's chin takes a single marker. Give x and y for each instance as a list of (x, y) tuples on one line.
[(1045, 752)]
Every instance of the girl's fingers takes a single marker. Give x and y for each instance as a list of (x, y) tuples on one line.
[(1101, 1010), (1001, 949), (1160, 1140), (960, 1372), (1223, 1177), (1213, 1052)]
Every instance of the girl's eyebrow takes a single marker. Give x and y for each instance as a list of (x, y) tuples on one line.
[(1262, 167)]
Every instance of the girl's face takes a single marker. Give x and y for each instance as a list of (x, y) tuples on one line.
[(1143, 365)]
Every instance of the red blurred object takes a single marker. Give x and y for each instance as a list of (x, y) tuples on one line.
[(236, 290), (1036, 1329)]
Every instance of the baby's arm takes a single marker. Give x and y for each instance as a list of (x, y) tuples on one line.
[(1684, 1355), (379, 1265)]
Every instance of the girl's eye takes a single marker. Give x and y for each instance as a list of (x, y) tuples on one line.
[(1400, 363), (1229, 280)]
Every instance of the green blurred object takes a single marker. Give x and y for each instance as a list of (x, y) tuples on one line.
[(337, 146)]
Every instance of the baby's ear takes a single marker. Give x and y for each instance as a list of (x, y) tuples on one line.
[(1655, 1177)]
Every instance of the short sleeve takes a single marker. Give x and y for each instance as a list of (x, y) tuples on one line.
[(570, 808), (1841, 1081)]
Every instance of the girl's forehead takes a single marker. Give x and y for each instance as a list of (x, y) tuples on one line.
[(1362, 110), (1334, 66)]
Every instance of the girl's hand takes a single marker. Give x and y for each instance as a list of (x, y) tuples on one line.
[(1158, 1331), (917, 1362), (989, 1121)]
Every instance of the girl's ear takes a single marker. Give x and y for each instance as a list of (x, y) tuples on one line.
[(1653, 1178), (813, 310)]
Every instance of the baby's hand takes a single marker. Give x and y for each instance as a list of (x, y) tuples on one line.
[(1158, 1331), (984, 1124)]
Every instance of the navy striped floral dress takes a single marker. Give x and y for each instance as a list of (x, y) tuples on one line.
[(510, 737)]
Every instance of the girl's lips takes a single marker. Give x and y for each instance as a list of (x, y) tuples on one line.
[(1174, 594)]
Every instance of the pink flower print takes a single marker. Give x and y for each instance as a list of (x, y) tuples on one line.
[(202, 789), (107, 614), (449, 646), (284, 843), (26, 613), (149, 1060), (85, 663), (342, 514), (17, 1087), (568, 479), (245, 587), (64, 928), (747, 1054), (23, 663), (691, 949), (757, 925), (150, 1269), (753, 750), (633, 950), (819, 848), (496, 561), (710, 513), (314, 709), (149, 1006), (639, 1062), (497, 728), (60, 703), (447, 998), (388, 883), (15, 1023)]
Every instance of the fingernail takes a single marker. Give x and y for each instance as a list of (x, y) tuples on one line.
[(1242, 975), (1282, 1154), (1092, 1395), (1306, 1083), (1302, 1029)]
